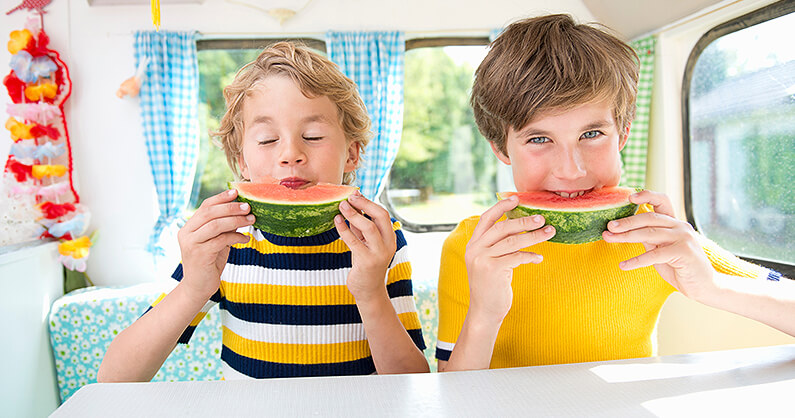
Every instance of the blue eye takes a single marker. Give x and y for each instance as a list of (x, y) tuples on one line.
[(591, 134), (538, 140)]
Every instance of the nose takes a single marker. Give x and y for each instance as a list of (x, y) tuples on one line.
[(291, 153), (571, 165)]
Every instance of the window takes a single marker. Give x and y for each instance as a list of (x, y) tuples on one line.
[(444, 170), (219, 61), (739, 133)]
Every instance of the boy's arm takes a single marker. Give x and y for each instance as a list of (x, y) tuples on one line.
[(137, 353), (769, 302), (492, 253), (676, 252), (373, 245), (204, 242)]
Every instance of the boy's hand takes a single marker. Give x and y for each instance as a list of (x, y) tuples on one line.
[(372, 243), (205, 239), (492, 253), (672, 246)]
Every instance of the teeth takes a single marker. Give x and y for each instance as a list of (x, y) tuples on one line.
[(569, 195)]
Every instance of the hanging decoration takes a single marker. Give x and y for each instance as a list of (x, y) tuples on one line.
[(37, 189), (155, 14)]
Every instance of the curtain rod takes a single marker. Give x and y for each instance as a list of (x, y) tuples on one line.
[(416, 33)]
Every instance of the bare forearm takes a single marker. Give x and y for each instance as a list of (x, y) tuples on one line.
[(392, 348), (769, 302), (137, 353), (475, 345)]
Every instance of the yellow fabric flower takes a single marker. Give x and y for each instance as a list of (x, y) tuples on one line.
[(18, 129), (38, 91), (40, 171), (19, 39), (76, 248)]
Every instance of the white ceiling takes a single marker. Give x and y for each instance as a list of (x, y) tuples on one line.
[(633, 18)]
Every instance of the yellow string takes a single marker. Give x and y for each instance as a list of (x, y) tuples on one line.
[(156, 14)]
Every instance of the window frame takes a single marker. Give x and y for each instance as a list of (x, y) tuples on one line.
[(761, 15), (383, 197)]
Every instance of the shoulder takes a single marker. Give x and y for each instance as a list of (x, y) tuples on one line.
[(459, 237)]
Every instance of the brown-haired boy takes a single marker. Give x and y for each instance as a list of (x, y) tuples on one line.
[(556, 99), (336, 303)]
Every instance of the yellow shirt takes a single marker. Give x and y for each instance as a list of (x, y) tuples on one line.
[(575, 306)]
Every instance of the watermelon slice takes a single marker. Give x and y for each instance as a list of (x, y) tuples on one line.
[(579, 219), (280, 210)]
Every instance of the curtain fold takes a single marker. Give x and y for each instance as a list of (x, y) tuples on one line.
[(375, 62), (633, 156), (169, 111)]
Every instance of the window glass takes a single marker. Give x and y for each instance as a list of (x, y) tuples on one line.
[(217, 68), (742, 141), (445, 170)]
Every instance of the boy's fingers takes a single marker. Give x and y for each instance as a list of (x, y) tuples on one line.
[(659, 255), (490, 216), (518, 258), (660, 202), (220, 226), (219, 242), (368, 229), (517, 242), (650, 235), (206, 214), (509, 227), (354, 243), (225, 196), (378, 214), (641, 220)]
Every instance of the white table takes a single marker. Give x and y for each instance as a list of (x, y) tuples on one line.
[(749, 382)]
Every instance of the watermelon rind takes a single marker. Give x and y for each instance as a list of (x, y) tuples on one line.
[(576, 227), (294, 219)]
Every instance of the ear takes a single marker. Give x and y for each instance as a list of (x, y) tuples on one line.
[(623, 141), (353, 157), (500, 156), (243, 167)]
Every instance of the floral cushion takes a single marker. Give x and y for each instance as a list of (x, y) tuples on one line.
[(427, 301), (85, 321)]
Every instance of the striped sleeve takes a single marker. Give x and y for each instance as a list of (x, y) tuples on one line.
[(214, 299), (400, 289)]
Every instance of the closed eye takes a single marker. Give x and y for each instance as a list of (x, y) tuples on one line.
[(267, 141), (313, 138)]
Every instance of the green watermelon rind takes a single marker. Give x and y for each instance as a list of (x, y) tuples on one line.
[(577, 227), (289, 220), (293, 219)]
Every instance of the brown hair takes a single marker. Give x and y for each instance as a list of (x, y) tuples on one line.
[(551, 62), (314, 74)]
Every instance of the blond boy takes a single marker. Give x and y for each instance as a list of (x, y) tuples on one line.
[(336, 303)]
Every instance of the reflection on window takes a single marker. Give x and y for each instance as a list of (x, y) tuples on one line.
[(742, 141), (445, 170)]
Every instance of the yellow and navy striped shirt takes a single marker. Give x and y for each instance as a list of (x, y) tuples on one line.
[(286, 310)]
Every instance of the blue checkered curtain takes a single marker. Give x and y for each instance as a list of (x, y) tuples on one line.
[(169, 110), (374, 60)]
